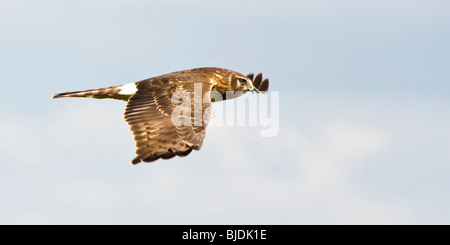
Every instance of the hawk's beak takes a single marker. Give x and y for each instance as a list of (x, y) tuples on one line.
[(253, 88)]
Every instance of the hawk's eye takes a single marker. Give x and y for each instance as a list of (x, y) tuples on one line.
[(242, 80)]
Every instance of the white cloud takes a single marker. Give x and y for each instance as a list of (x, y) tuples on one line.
[(324, 170), (348, 141)]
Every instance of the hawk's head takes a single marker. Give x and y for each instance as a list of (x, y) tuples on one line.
[(239, 82), (232, 84)]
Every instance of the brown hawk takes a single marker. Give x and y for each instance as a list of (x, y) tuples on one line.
[(168, 114)]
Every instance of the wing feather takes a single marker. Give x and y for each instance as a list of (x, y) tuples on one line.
[(149, 112)]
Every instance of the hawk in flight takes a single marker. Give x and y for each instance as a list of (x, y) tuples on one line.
[(168, 114)]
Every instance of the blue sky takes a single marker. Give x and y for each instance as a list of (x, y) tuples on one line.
[(363, 92)]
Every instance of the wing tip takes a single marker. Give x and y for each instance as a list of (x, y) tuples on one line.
[(136, 160), (168, 155)]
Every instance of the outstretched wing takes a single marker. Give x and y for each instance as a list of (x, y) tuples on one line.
[(149, 114)]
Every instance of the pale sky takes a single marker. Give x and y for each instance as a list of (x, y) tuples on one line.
[(363, 112)]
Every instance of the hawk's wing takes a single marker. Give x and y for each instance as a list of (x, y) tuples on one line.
[(149, 114)]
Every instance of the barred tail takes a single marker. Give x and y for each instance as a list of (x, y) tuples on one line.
[(122, 92)]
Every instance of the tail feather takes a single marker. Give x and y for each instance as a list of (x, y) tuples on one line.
[(114, 92)]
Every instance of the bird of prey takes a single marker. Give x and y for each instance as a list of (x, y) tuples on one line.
[(168, 114)]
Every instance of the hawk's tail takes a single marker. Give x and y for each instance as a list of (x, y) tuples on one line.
[(122, 92)]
